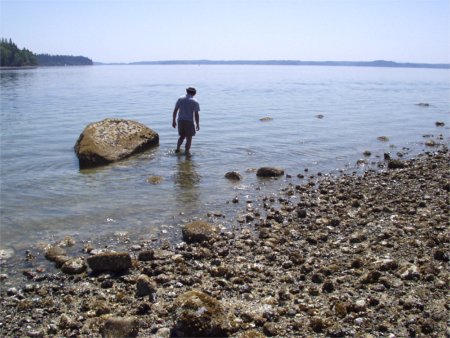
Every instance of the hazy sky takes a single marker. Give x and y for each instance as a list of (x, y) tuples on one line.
[(309, 30)]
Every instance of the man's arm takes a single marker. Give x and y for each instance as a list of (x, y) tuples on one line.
[(197, 120), (174, 120)]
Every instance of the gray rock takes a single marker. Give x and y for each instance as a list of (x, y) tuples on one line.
[(11, 291), (317, 324), (66, 322), (409, 272), (74, 266), (199, 315), (163, 332), (119, 327), (53, 252), (233, 175), (146, 255), (112, 140), (145, 286), (198, 231), (359, 306), (441, 255), (110, 261), (57, 255), (35, 333), (269, 172), (396, 164)]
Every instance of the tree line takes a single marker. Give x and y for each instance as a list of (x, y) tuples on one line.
[(12, 56), (63, 60)]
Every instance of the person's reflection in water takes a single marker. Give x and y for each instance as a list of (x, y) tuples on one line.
[(187, 180)]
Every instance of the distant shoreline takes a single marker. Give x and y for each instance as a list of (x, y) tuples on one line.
[(377, 63), (34, 67), (17, 68)]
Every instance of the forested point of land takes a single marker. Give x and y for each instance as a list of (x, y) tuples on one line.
[(63, 60), (12, 56)]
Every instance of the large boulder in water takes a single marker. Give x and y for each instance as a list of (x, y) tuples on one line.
[(112, 140)]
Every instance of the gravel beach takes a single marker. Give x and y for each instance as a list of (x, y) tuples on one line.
[(353, 256)]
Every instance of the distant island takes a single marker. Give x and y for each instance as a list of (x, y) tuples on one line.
[(13, 57), (377, 63)]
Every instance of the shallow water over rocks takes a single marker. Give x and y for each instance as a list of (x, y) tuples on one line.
[(45, 196)]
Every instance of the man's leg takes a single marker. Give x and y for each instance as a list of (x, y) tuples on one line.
[(179, 143), (188, 143)]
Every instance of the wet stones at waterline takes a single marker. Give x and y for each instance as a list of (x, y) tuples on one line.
[(112, 140), (198, 231), (110, 262)]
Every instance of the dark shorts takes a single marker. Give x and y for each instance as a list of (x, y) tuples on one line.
[(186, 128)]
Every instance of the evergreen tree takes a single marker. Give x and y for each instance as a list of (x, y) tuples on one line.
[(11, 56)]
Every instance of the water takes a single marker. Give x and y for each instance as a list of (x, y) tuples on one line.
[(45, 196)]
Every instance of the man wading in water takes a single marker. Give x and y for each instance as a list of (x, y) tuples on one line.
[(187, 109)]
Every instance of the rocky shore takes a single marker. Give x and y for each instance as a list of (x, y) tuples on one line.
[(354, 256)]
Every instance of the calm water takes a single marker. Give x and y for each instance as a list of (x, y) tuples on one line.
[(45, 196)]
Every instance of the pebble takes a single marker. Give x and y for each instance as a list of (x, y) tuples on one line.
[(11, 291), (358, 321), (6, 254)]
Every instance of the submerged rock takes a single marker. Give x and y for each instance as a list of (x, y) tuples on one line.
[(199, 315), (112, 140), (110, 261), (269, 172), (155, 179), (6, 254), (233, 175)]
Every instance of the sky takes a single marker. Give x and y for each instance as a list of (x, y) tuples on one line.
[(307, 30)]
